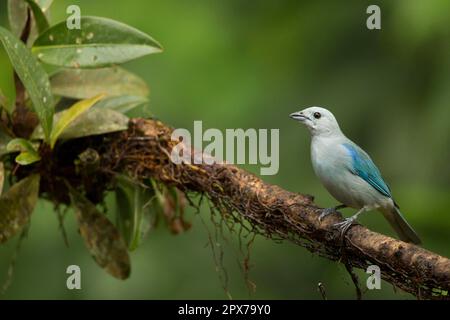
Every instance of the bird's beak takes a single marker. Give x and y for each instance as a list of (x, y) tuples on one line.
[(299, 116)]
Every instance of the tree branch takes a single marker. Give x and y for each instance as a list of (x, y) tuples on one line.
[(275, 213)]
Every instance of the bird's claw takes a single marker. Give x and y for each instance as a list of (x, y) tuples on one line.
[(344, 225), (326, 212)]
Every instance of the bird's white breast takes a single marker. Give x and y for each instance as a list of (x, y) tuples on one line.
[(332, 164)]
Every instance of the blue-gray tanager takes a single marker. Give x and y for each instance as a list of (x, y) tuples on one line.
[(348, 173)]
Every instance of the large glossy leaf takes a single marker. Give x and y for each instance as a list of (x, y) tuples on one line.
[(133, 210), (85, 83), (39, 16), (33, 77), (28, 153), (122, 104), (16, 206), (7, 87), (70, 115), (102, 238), (99, 42), (92, 122), (139, 111), (17, 15), (96, 121)]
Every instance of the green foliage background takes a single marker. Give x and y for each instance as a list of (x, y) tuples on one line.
[(249, 64)]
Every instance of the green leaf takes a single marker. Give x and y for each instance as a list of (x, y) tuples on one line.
[(100, 42), (7, 86), (3, 100), (28, 153), (33, 77), (133, 210), (4, 140), (96, 121), (139, 111), (5, 103), (70, 115), (26, 158), (17, 15), (92, 122), (82, 84), (101, 237), (20, 144), (122, 104), (16, 206), (44, 4), (39, 16)]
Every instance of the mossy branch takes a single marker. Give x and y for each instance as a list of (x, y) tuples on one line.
[(279, 214), (242, 199)]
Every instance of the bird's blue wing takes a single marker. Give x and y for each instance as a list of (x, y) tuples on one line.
[(364, 167)]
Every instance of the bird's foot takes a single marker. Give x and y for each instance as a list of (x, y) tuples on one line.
[(326, 212), (345, 225)]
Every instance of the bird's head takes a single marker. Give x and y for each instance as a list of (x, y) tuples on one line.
[(318, 120)]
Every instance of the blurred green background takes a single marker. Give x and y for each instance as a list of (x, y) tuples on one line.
[(242, 64)]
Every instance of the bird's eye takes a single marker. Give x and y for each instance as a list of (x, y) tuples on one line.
[(317, 115)]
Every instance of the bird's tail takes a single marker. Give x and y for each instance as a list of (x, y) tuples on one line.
[(403, 229)]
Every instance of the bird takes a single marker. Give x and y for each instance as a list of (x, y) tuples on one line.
[(349, 174)]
